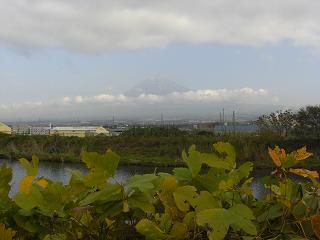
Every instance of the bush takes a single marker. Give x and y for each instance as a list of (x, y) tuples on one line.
[(187, 204)]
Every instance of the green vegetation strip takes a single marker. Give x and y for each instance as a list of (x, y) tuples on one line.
[(187, 204)]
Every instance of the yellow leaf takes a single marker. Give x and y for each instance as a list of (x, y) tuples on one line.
[(125, 206), (305, 173), (26, 183), (275, 155), (6, 234), (42, 183), (109, 222), (302, 154)]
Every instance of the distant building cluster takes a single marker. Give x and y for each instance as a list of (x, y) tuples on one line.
[(69, 131)]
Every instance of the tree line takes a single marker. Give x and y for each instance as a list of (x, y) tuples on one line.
[(302, 123)]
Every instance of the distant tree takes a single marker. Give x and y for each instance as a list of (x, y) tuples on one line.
[(155, 131), (308, 121), (280, 122)]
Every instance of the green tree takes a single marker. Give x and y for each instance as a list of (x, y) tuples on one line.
[(280, 122), (308, 121)]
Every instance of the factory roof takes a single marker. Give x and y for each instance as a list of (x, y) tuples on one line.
[(84, 128)]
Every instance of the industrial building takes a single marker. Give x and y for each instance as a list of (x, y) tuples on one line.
[(21, 130), (79, 131), (29, 130), (40, 130), (4, 129)]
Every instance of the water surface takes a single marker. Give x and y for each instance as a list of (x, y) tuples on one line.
[(58, 171)]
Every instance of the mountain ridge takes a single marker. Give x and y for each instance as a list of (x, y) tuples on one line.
[(155, 86)]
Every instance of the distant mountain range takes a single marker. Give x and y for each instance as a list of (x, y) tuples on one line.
[(155, 87), (139, 105)]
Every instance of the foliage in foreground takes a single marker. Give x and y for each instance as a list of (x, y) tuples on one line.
[(189, 204)]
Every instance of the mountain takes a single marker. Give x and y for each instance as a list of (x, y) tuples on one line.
[(156, 87)]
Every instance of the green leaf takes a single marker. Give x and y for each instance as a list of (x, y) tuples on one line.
[(101, 163), (242, 217), (244, 170), (165, 222), (300, 209), (189, 219), (150, 230), (193, 160), (32, 170), (271, 213), (183, 196), (217, 219), (179, 231), (183, 174), (228, 153), (211, 180), (212, 160), (141, 182), (206, 201), (142, 201), (57, 236), (28, 201), (111, 193)]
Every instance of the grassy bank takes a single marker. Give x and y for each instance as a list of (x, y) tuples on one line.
[(151, 150)]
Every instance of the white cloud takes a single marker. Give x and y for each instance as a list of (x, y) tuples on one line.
[(243, 95), (99, 25)]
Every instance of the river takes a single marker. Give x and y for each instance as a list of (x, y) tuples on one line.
[(58, 171)]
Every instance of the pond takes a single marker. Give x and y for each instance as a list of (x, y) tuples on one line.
[(58, 171)]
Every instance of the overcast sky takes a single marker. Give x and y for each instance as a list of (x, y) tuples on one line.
[(67, 53)]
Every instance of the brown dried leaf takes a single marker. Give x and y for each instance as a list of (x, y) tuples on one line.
[(302, 154), (275, 156), (305, 173)]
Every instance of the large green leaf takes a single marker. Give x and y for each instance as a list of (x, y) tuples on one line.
[(212, 160), (184, 196), (28, 201), (142, 182), (179, 231), (142, 201), (227, 152), (55, 196), (183, 174), (272, 212), (105, 164), (242, 217), (150, 230), (31, 169), (205, 201), (193, 160), (212, 179), (217, 219), (111, 193)]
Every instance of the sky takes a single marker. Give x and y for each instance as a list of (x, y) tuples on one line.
[(59, 57)]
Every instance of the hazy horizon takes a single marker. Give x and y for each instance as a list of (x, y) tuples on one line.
[(77, 60)]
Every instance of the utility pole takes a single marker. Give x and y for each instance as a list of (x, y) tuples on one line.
[(223, 120), (234, 122), (161, 119)]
